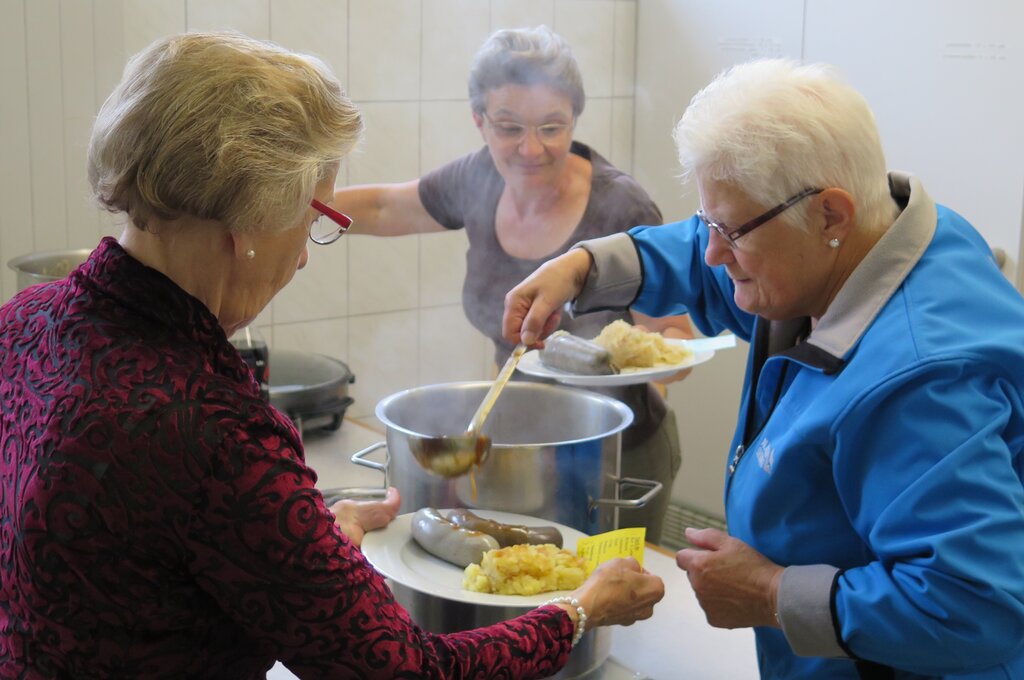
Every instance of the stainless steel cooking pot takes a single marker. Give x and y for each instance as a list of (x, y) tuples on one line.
[(46, 266), (554, 455)]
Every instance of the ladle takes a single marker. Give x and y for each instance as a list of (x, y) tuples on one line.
[(454, 455)]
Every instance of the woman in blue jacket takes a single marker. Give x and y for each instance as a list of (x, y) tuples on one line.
[(874, 489)]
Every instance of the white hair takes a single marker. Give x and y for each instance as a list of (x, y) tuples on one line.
[(773, 128)]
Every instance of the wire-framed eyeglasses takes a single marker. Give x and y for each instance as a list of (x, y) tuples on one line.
[(508, 131), (730, 235), (326, 231)]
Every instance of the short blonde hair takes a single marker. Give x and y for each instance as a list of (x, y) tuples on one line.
[(222, 127)]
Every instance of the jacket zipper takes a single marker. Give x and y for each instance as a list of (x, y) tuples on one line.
[(751, 410)]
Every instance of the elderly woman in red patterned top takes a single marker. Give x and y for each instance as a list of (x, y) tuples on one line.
[(158, 518)]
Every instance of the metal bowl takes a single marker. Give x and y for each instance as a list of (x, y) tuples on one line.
[(42, 267)]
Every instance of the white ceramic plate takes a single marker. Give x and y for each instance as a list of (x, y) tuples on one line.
[(394, 553), (531, 364)]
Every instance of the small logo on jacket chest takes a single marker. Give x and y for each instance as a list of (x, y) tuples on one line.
[(765, 455)]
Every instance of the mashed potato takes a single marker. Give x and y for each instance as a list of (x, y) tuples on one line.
[(632, 347), (525, 570)]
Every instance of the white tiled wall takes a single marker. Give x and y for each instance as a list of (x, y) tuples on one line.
[(390, 308)]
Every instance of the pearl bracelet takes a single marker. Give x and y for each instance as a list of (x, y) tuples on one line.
[(581, 615)]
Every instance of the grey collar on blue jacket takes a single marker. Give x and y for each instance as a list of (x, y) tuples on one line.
[(872, 283)]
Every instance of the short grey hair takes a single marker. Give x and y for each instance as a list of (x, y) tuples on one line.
[(525, 56), (773, 127), (221, 127)]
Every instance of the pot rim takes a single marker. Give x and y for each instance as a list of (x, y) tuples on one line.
[(621, 408)]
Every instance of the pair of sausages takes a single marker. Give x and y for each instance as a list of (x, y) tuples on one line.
[(462, 537)]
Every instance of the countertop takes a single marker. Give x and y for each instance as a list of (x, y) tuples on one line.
[(676, 643)]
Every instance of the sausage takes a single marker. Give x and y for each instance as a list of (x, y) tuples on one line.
[(451, 543), (506, 534), (573, 354)]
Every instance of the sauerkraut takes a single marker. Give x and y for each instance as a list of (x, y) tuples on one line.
[(634, 348)]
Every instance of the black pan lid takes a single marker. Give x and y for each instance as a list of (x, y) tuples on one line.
[(292, 371)]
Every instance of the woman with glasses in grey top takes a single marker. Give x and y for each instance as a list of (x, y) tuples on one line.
[(524, 198)]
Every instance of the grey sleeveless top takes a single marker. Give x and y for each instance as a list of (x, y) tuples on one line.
[(465, 194)]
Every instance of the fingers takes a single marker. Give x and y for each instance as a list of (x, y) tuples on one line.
[(528, 317), (516, 306), (392, 501), (367, 514), (708, 539), (537, 325), (647, 592), (620, 592), (616, 566), (703, 541), (628, 563), (534, 307), (551, 325), (685, 557), (378, 514)]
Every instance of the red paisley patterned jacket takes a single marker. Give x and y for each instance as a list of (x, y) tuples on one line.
[(157, 519)]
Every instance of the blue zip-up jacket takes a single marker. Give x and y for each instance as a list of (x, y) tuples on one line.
[(879, 458)]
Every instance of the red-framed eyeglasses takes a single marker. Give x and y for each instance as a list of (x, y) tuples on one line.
[(330, 230)]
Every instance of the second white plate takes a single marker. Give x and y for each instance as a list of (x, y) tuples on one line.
[(531, 365)]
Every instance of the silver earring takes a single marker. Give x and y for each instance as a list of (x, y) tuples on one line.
[(834, 243), (249, 254)]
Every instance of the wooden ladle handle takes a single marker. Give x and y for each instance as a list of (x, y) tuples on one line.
[(477, 423)]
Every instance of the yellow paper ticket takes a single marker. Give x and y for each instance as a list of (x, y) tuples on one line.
[(612, 544)]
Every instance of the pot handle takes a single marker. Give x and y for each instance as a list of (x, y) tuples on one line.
[(332, 496), (653, 486)]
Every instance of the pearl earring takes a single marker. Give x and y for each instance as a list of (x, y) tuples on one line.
[(834, 243), (249, 254)]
